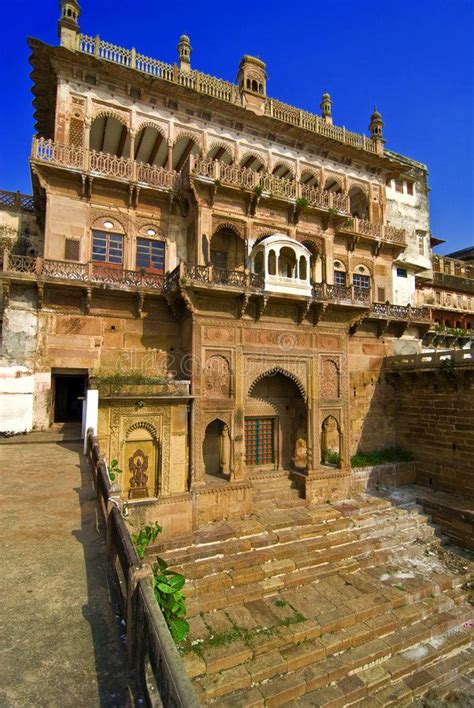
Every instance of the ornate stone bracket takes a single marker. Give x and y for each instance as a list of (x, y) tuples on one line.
[(87, 300), (382, 327), (6, 294), (242, 304), (140, 304), (40, 288), (261, 305), (318, 312), (303, 310), (355, 324)]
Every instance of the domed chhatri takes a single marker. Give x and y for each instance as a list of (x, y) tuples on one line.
[(184, 53), (326, 107)]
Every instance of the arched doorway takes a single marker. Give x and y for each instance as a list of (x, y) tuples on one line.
[(276, 424), (216, 449)]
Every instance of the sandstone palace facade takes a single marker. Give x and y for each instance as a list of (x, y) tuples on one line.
[(226, 270)]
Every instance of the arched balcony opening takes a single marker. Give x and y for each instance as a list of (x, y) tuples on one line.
[(358, 203), (332, 185), (285, 264), (252, 162), (109, 135), (283, 171), (227, 250), (182, 149), (151, 147), (309, 179), (221, 154)]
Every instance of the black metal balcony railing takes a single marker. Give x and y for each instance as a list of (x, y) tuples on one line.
[(211, 276), (87, 273), (404, 312)]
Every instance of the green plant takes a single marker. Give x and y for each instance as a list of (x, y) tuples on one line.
[(349, 223), (333, 212), (378, 486), (113, 383), (302, 203), (144, 537), (217, 183), (114, 470), (258, 190), (380, 457), (140, 404), (167, 584), (167, 588), (280, 603), (331, 457)]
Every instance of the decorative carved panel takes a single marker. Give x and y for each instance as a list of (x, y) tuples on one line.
[(330, 379), (217, 377)]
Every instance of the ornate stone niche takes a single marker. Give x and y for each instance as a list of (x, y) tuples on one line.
[(330, 378)]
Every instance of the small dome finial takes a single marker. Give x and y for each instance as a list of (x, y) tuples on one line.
[(376, 129)]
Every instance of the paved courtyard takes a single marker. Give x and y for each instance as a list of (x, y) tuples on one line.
[(60, 636)]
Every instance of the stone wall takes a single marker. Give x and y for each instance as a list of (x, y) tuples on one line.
[(435, 420)]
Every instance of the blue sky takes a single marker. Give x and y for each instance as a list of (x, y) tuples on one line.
[(413, 58)]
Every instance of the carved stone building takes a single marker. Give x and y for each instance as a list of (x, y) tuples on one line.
[(199, 230)]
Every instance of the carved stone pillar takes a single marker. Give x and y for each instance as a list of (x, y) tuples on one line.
[(170, 156), (225, 451)]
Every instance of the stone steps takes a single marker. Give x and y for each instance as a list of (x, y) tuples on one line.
[(294, 665), (336, 604)]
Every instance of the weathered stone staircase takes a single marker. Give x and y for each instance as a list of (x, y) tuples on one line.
[(345, 603)]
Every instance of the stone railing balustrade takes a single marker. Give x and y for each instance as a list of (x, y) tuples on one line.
[(382, 232), (453, 266), (407, 312), (102, 164), (218, 88), (447, 360)]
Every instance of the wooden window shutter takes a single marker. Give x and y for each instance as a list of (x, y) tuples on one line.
[(72, 249), (381, 294)]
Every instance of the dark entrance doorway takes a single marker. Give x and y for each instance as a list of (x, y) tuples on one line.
[(68, 389)]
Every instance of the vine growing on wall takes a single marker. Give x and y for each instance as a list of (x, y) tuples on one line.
[(167, 585)]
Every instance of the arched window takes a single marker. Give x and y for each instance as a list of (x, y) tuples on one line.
[(340, 277), (361, 278), (182, 149), (333, 185), (253, 162)]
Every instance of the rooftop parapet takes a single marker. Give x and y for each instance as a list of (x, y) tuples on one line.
[(221, 90)]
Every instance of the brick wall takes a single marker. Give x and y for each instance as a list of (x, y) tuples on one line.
[(435, 419)]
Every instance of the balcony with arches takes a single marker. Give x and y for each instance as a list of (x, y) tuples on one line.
[(284, 264)]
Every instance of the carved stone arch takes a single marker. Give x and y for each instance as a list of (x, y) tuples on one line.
[(284, 163), (228, 147), (343, 262), (278, 370), (145, 425), (195, 137), (355, 184), (147, 123), (221, 225), (255, 154), (313, 171), (96, 217), (339, 179), (110, 113), (144, 225), (362, 263), (224, 418)]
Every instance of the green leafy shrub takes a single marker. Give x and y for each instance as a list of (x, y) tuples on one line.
[(331, 457), (258, 190), (302, 202), (114, 470), (114, 382), (380, 457), (167, 584)]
